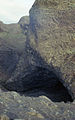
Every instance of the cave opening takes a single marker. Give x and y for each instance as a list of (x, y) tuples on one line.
[(46, 81), (42, 81)]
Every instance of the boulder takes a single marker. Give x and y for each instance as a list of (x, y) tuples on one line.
[(51, 34), (34, 106)]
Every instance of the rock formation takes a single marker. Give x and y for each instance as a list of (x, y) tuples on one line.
[(49, 45), (34, 106), (42, 86), (12, 43), (52, 26), (24, 24)]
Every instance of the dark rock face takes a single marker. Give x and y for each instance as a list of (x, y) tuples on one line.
[(12, 43), (8, 61)]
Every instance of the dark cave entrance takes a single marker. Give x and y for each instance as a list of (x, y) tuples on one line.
[(46, 81), (42, 81)]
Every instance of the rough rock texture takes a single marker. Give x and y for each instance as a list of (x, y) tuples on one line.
[(12, 43), (46, 64), (34, 106), (50, 45), (24, 23), (52, 23)]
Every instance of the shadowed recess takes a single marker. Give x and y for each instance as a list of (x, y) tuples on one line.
[(46, 82)]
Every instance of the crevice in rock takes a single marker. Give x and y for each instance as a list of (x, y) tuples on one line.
[(46, 81)]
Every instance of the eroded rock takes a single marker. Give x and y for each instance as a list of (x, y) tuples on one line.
[(50, 45), (48, 59), (52, 36), (27, 106), (12, 43)]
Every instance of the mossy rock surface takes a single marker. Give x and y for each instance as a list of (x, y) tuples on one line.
[(52, 35)]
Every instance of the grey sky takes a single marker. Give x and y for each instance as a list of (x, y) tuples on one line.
[(12, 10)]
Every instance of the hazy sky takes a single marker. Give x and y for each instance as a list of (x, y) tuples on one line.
[(12, 10)]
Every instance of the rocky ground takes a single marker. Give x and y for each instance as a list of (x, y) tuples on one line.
[(34, 105), (37, 64)]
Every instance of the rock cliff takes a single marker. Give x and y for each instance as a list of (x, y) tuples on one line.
[(52, 24), (12, 43), (49, 45), (42, 86)]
